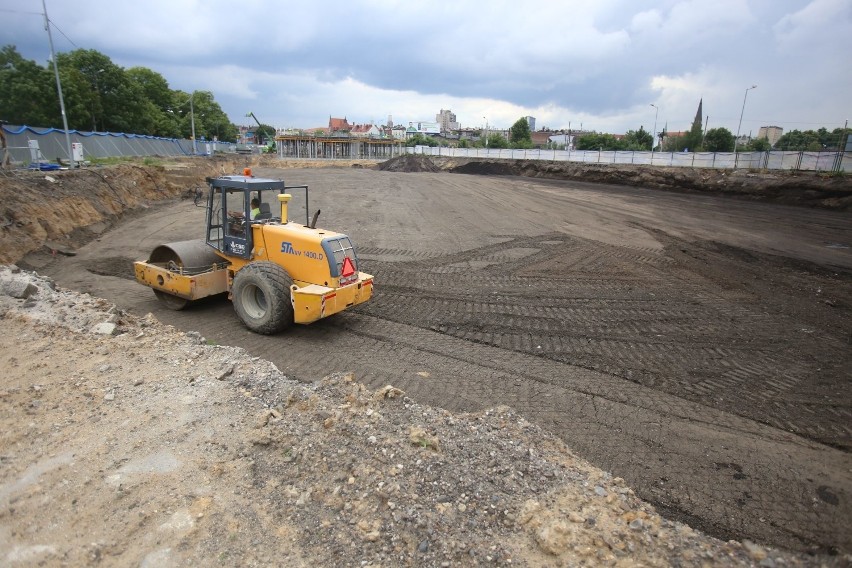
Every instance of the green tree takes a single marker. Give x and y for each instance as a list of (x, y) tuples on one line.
[(833, 140), (156, 90), (27, 91), (420, 139), (496, 140), (181, 112), (798, 140), (520, 135), (100, 95), (83, 73), (153, 85), (691, 141), (758, 145), (637, 139), (212, 122), (719, 140), (598, 142)]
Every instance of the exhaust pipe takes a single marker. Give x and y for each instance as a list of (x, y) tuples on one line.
[(284, 198)]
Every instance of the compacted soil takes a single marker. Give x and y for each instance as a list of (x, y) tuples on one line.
[(576, 370)]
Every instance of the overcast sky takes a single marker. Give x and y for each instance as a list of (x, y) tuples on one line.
[(599, 63)]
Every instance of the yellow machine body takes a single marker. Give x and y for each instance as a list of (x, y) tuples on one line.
[(321, 265)]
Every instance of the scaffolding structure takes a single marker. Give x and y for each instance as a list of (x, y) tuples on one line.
[(337, 147)]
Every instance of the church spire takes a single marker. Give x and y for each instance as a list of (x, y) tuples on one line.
[(696, 124)]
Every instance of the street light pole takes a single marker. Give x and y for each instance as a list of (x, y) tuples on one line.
[(654, 139), (98, 93), (486, 132), (737, 139), (192, 121)]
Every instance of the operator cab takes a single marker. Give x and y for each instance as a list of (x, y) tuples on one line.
[(229, 211)]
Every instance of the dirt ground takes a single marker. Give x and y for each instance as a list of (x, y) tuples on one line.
[(695, 345)]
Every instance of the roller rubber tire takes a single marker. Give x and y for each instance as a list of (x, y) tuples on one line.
[(261, 297)]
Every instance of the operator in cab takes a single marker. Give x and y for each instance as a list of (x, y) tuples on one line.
[(255, 208), (253, 212)]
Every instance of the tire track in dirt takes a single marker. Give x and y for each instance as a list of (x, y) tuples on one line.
[(685, 340), (634, 432), (669, 352)]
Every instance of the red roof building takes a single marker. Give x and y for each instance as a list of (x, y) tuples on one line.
[(338, 125)]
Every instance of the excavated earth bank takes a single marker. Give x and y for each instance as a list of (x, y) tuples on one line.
[(794, 188)]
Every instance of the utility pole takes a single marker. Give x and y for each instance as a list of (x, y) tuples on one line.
[(737, 139), (841, 150), (58, 86), (654, 138), (486, 132), (192, 121)]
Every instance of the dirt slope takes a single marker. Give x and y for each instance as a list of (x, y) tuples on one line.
[(793, 188), (59, 210)]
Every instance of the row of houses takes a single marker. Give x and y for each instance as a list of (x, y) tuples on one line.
[(341, 127), (447, 127)]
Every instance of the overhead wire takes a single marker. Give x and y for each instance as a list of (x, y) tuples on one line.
[(63, 34)]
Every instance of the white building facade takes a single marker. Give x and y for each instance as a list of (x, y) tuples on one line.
[(447, 121)]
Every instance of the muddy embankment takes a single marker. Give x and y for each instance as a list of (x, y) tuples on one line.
[(58, 211), (809, 189)]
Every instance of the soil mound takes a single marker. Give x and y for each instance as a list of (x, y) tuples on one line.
[(409, 163), (808, 189)]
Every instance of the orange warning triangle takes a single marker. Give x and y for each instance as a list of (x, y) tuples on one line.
[(348, 268)]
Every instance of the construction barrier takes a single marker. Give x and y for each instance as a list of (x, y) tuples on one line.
[(773, 160), (48, 147)]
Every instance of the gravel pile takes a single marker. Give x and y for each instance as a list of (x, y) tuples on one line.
[(252, 468)]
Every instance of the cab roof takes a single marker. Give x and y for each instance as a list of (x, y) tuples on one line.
[(248, 183)]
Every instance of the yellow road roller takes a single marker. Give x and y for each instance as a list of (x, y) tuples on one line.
[(275, 271)]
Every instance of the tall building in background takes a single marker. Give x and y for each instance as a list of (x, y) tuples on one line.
[(531, 122), (447, 120), (771, 133)]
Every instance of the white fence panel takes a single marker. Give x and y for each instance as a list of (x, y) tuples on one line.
[(818, 161)]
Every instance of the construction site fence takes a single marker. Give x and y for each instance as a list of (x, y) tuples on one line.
[(772, 160), (28, 145)]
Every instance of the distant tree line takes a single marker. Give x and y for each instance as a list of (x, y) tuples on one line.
[(714, 140), (104, 97), (812, 140), (633, 140), (696, 140)]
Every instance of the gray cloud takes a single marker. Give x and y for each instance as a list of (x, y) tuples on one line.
[(601, 63)]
